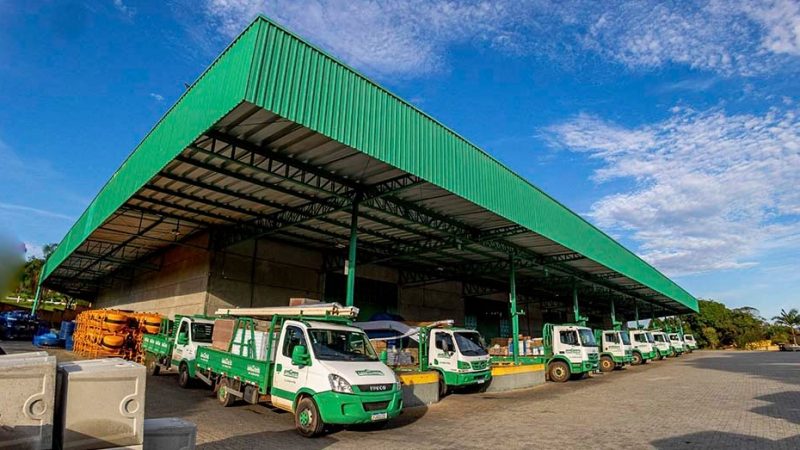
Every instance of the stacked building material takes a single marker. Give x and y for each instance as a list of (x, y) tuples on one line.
[(27, 384), (107, 333)]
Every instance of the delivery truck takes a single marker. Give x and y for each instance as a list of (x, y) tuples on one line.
[(457, 354), (643, 348), (568, 351), (307, 360), (176, 344), (691, 344), (615, 349), (661, 343), (677, 344)]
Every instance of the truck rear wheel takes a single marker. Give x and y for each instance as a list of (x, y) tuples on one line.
[(637, 359), (443, 389), (153, 369), (306, 418), (183, 376), (223, 396), (558, 371), (606, 364)]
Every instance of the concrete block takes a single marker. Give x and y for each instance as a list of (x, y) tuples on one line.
[(100, 404), (170, 433), (27, 392), (419, 388), (509, 378)]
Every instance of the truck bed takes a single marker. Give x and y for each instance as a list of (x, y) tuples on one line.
[(249, 370), (157, 344)]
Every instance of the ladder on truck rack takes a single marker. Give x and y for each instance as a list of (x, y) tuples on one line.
[(315, 310)]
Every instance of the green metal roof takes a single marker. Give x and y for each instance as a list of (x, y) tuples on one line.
[(274, 69)]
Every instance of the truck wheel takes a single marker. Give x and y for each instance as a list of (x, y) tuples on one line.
[(153, 369), (660, 356), (606, 364), (306, 418), (225, 398), (183, 376), (443, 390), (558, 371), (637, 359)]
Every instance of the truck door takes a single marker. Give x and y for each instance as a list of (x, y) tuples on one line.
[(569, 345), (181, 349), (443, 351), (289, 377), (611, 344)]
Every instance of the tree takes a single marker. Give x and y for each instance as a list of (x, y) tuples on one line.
[(789, 319)]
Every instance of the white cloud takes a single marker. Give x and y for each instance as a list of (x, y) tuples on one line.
[(712, 189), (27, 210), (126, 10), (33, 250), (413, 37), (157, 97)]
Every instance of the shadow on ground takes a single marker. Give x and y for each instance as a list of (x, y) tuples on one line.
[(783, 405), (717, 440), (779, 366)]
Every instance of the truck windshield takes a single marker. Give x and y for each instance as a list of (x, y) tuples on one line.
[(626, 339), (201, 332), (689, 338), (658, 337), (469, 343), (587, 337), (649, 337), (341, 345)]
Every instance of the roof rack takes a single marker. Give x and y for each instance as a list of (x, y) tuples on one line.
[(313, 310)]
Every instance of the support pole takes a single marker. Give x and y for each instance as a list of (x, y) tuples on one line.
[(351, 257), (514, 313), (636, 308), (575, 311), (613, 315), (36, 298)]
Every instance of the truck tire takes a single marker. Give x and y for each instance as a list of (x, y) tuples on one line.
[(153, 369), (184, 380), (660, 356), (637, 359), (606, 364), (443, 389), (306, 418), (558, 371), (223, 396)]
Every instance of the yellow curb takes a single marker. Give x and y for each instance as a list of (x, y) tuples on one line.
[(510, 370), (418, 378)]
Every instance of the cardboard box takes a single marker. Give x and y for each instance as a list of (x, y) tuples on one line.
[(297, 301), (222, 334)]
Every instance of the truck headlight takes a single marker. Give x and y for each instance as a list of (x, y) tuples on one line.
[(339, 384), (398, 383)]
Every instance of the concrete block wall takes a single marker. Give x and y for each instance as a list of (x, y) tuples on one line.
[(432, 301), (263, 273), (178, 288)]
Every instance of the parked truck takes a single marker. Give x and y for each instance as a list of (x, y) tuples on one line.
[(457, 354), (643, 349), (176, 345), (569, 351), (615, 349), (662, 345), (309, 361), (691, 344), (676, 343)]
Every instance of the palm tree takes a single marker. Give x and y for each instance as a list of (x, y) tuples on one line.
[(790, 319)]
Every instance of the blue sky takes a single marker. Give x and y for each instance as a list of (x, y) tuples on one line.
[(673, 126)]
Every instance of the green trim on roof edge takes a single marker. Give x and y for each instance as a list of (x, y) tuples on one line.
[(279, 71)]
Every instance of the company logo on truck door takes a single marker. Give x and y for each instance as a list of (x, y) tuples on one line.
[(573, 351), (369, 373), (289, 373)]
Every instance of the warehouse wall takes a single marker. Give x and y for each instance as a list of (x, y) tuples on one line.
[(178, 288), (439, 301)]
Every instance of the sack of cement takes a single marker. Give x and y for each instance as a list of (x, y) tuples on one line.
[(100, 404), (27, 390)]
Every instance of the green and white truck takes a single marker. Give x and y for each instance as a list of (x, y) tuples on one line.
[(643, 348), (677, 344), (176, 345), (615, 349), (661, 343), (309, 361), (568, 351), (457, 354), (691, 344)]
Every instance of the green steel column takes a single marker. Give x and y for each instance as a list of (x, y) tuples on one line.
[(351, 257), (514, 313), (613, 315), (636, 308), (575, 311), (36, 298)]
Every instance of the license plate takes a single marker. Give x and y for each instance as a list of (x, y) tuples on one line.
[(380, 416), (481, 381)]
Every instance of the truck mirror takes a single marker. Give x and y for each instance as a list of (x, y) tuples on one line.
[(384, 356), (300, 356), (183, 338)]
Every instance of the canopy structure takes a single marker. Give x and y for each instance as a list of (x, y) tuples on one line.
[(279, 139)]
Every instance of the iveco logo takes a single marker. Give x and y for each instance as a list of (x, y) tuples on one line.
[(378, 387)]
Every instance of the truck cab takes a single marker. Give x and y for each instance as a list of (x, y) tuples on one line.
[(572, 351), (176, 345), (676, 343), (457, 354), (643, 349), (661, 342), (615, 349), (691, 344)]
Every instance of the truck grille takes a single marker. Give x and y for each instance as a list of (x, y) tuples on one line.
[(480, 365), (375, 387), (375, 406)]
